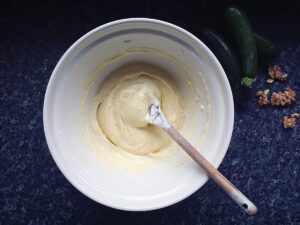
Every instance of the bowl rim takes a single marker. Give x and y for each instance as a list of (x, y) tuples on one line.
[(50, 87)]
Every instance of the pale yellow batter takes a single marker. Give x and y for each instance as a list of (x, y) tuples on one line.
[(123, 102), (114, 110)]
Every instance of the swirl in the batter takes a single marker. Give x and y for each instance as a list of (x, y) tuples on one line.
[(123, 103)]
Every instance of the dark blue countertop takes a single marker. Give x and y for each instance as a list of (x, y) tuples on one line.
[(263, 158)]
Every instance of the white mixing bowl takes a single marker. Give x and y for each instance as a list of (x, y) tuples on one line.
[(159, 186)]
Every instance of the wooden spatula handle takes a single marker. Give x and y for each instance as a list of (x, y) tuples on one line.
[(213, 173)]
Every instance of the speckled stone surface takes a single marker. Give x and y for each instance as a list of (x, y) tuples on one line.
[(263, 158)]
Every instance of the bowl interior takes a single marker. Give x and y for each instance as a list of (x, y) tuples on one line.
[(76, 80)]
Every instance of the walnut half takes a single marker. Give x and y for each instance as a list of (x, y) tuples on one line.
[(263, 98), (290, 122), (283, 98), (275, 73)]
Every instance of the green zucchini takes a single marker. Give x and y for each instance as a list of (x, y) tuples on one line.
[(238, 24), (266, 50), (224, 53)]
